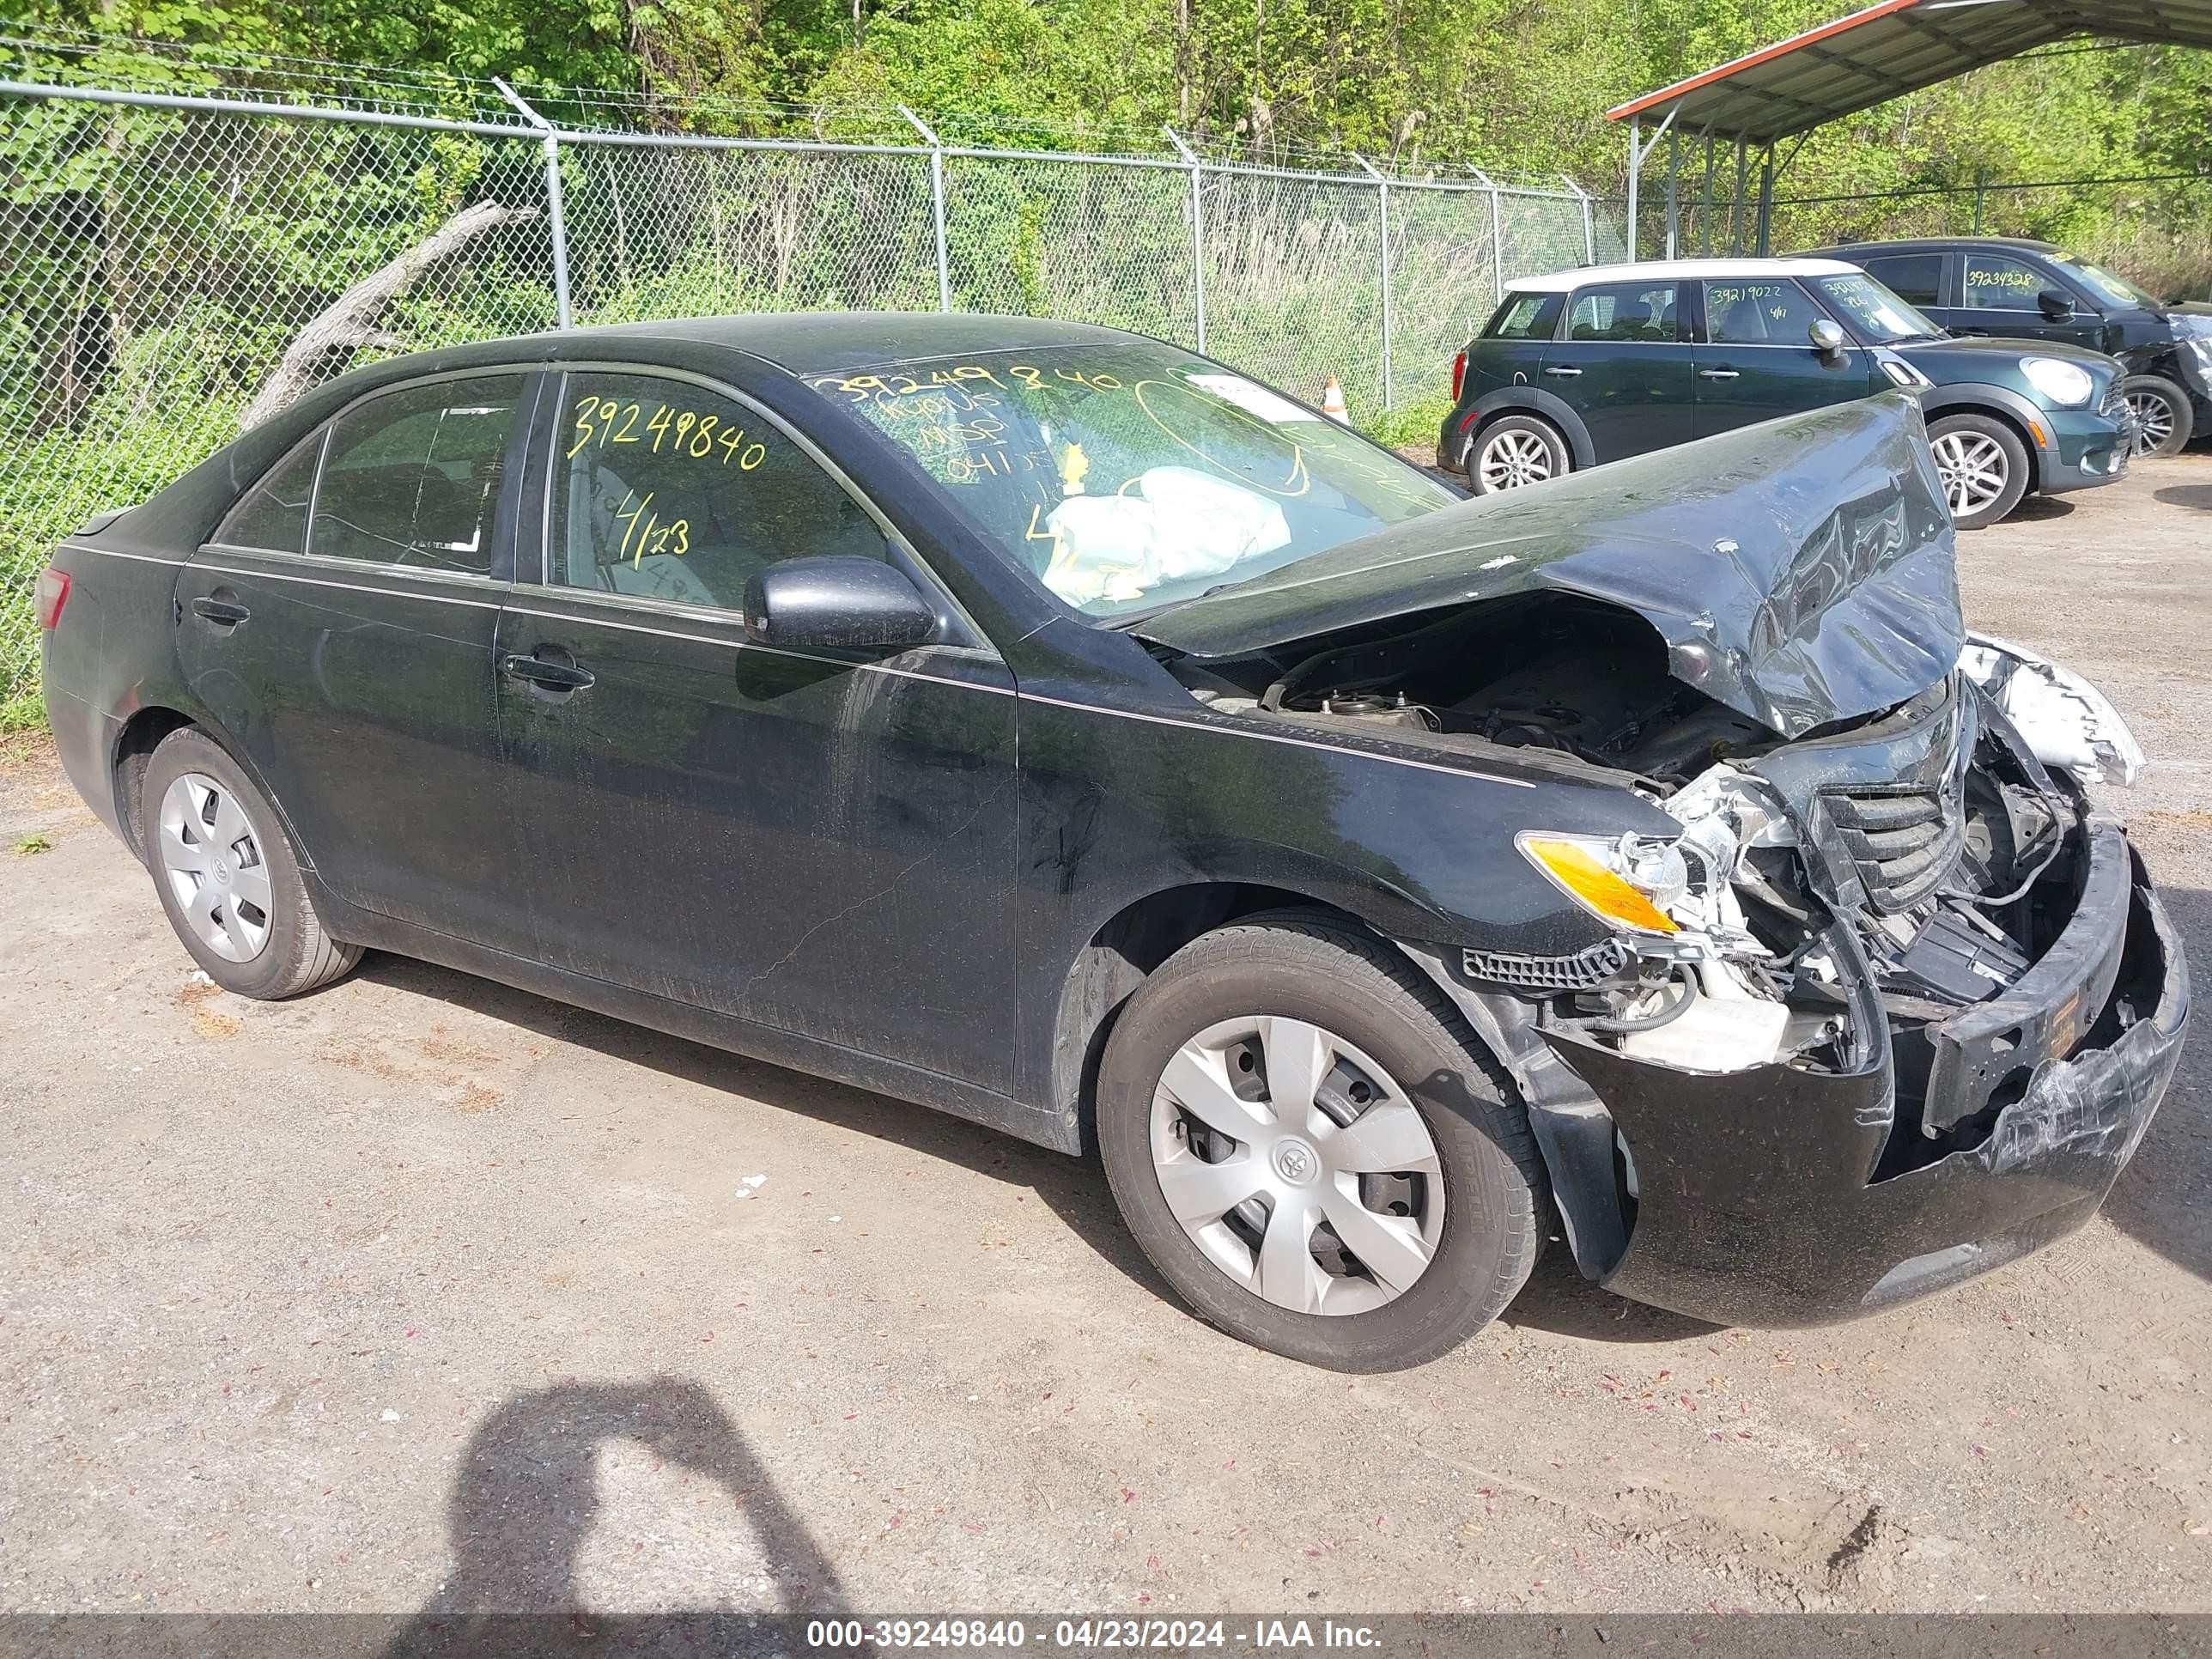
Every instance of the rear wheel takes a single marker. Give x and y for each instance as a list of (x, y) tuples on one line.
[(1984, 466), (226, 876), (1307, 1147), (2164, 420), (1515, 451)]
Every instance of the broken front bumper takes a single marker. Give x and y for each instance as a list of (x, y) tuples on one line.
[(1757, 1201)]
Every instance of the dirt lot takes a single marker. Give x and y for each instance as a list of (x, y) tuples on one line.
[(422, 1293)]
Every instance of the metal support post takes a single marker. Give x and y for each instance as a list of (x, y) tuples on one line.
[(936, 205), (1197, 232)]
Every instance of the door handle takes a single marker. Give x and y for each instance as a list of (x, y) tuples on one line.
[(1720, 374), (1564, 372), (557, 676), (223, 613)]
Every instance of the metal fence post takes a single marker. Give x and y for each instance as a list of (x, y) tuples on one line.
[(1197, 231), (1497, 233), (1590, 220), (556, 219), (936, 205), (1383, 264)]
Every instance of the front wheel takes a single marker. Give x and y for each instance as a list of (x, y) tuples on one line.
[(1983, 466), (2164, 420), (1516, 451), (1307, 1147)]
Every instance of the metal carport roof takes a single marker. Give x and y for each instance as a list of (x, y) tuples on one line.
[(1893, 48), (1890, 49)]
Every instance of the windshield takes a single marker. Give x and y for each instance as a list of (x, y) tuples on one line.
[(2118, 289), (1125, 478), (1876, 311)]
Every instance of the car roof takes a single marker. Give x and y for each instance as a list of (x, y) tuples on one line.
[(1916, 244), (818, 342), (1561, 282)]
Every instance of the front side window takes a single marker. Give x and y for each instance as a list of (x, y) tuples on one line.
[(1624, 310), (272, 516), (1996, 283), (1880, 315), (1759, 311), (1525, 317), (413, 476), (665, 490), (1127, 476)]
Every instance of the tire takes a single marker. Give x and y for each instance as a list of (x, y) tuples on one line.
[(1476, 1215), (1515, 451), (2165, 422), (207, 829), (1985, 467)]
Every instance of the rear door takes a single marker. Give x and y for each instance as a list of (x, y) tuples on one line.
[(2001, 294), (1622, 363), (1755, 358), (818, 842), (340, 628)]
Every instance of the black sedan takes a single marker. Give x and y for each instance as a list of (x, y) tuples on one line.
[(1053, 727)]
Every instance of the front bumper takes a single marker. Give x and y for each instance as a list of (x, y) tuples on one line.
[(1757, 1200), (2086, 448)]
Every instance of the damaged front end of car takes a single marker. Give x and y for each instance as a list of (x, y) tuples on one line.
[(1889, 1000)]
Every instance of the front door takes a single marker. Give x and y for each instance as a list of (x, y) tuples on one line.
[(340, 628), (2001, 294), (817, 841), (1622, 363), (1756, 361)]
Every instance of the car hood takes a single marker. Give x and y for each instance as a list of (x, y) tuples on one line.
[(1801, 571), (1982, 357)]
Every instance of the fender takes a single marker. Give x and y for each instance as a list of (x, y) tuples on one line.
[(1973, 397), (1532, 400)]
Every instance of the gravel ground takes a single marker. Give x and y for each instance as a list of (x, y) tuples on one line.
[(420, 1293)]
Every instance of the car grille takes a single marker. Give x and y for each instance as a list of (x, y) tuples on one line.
[(1903, 841), (2119, 411)]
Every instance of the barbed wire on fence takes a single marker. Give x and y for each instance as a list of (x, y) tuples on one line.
[(163, 248)]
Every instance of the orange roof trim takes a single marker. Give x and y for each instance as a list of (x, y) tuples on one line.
[(1765, 54)]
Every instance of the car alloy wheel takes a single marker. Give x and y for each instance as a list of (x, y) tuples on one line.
[(1515, 457), (211, 855), (1974, 470), (2153, 416), (1297, 1165)]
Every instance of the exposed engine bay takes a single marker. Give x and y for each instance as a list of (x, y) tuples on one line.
[(1935, 845)]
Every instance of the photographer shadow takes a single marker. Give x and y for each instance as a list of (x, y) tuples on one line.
[(524, 1506)]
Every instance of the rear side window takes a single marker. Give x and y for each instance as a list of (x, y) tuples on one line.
[(1996, 283), (1525, 317), (1918, 277), (413, 476), (273, 515), (1624, 310), (665, 490)]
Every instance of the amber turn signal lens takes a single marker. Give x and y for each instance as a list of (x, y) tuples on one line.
[(1582, 874)]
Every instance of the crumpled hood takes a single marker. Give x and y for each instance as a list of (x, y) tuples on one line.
[(1801, 571)]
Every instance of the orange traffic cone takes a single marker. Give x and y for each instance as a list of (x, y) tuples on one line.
[(1332, 401)]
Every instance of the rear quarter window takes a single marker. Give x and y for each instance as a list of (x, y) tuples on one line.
[(1525, 317)]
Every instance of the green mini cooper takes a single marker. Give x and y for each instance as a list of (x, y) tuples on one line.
[(1591, 366)]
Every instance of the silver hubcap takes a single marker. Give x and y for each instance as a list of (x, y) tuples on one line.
[(1297, 1165), (1973, 467), (2153, 421), (1511, 459), (210, 855)]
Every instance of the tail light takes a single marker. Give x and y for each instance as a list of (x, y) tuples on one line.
[(53, 593), (1459, 373)]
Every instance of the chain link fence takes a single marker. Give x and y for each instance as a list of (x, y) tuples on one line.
[(172, 266)]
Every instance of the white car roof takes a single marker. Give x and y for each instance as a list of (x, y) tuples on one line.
[(1560, 281)]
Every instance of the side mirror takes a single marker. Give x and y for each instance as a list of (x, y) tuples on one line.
[(840, 601), (1827, 336), (2058, 307)]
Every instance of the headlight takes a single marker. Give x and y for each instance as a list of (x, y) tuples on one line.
[(2067, 384), (1626, 883), (1903, 374)]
